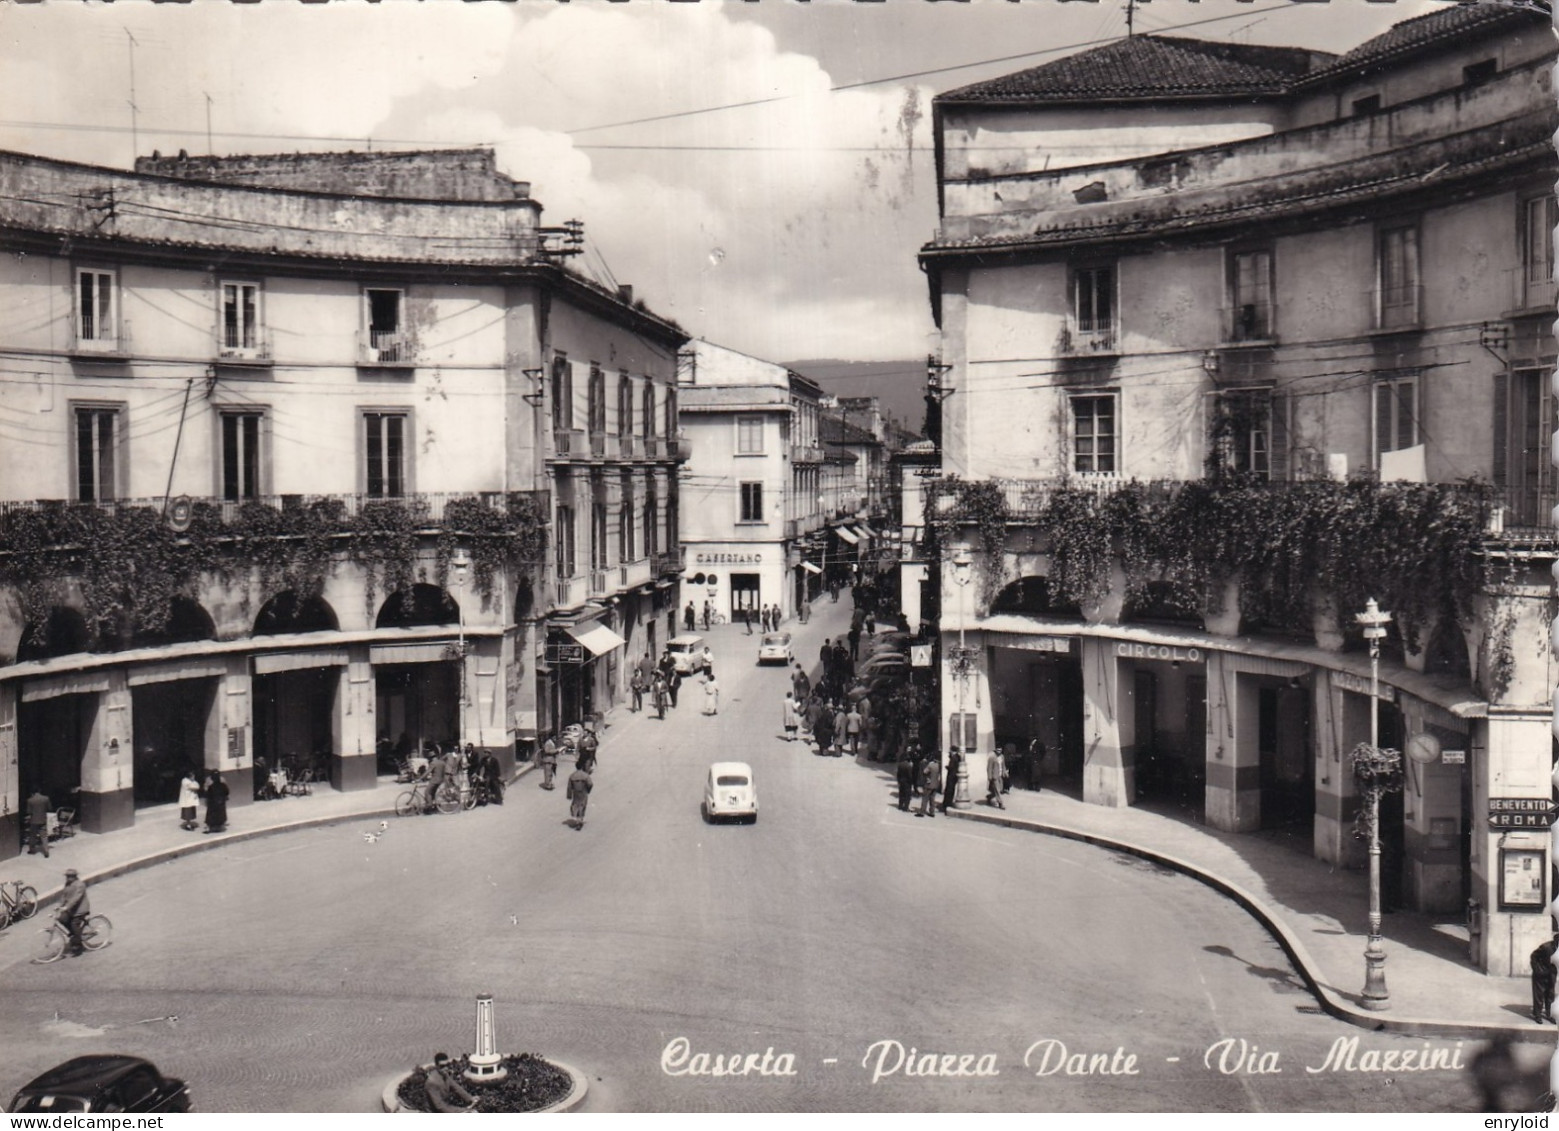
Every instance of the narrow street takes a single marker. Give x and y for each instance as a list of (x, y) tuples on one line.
[(300, 972)]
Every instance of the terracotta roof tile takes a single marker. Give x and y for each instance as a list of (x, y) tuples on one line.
[(1151, 66), (1451, 22)]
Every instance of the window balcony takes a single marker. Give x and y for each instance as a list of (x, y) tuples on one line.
[(634, 573), (1249, 323), (568, 443), (392, 348), (572, 592), (627, 447), (598, 586), (806, 453), (1399, 307), (112, 347), (256, 353), (1090, 340), (598, 445), (672, 561)]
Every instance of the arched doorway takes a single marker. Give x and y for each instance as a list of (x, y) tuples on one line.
[(1037, 689), (295, 702), (418, 700), (173, 721), (288, 612)]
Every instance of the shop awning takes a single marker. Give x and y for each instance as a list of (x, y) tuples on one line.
[(269, 663), (595, 636), (863, 532), (810, 568), (847, 534), (866, 530)]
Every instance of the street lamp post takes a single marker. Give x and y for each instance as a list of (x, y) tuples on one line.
[(461, 564), (1373, 621), (963, 563)]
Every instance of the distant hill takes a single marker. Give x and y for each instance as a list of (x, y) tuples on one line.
[(900, 386)]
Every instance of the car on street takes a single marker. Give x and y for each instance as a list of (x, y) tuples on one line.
[(729, 792), (687, 653), (102, 1083), (775, 649)]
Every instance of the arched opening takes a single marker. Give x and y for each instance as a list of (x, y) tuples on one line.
[(61, 634), (417, 607), (1447, 651), (1160, 603), (1030, 596), (187, 622), (286, 612)]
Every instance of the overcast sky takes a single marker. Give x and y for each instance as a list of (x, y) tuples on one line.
[(786, 228)]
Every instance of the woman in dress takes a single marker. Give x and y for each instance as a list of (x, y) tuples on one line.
[(216, 803), (711, 693)]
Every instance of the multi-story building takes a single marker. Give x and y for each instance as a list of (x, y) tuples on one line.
[(751, 481), (281, 439), (1207, 401)]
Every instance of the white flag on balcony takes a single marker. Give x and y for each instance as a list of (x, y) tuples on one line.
[(1406, 465)]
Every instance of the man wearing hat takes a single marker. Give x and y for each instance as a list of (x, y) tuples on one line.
[(74, 908)]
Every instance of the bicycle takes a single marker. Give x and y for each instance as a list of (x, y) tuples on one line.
[(96, 933), (415, 800), (18, 901)]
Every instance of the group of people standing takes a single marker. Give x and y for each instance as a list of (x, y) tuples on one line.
[(580, 782), (214, 790), (482, 773)]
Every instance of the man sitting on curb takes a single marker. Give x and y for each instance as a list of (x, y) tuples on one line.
[(445, 1092)]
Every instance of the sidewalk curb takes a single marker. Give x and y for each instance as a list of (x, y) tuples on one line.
[(206, 844), (1292, 946)]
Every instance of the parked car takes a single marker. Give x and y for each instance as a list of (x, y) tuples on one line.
[(687, 653), (729, 792), (103, 1083), (775, 649)]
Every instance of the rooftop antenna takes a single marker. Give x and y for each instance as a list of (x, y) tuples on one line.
[(135, 138), (1131, 11)]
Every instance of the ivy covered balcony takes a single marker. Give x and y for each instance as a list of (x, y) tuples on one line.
[(1234, 556)]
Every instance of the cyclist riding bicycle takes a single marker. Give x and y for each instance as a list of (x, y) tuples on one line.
[(74, 908)]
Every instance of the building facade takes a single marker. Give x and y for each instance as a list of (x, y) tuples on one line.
[(279, 471), (1207, 401), (750, 482)]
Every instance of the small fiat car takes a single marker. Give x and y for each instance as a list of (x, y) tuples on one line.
[(729, 792), (775, 649), (102, 1083), (687, 653)]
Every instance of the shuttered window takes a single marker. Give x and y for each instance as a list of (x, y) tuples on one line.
[(1396, 415)]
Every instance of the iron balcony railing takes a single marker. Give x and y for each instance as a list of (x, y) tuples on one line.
[(572, 592), (386, 347), (671, 561), (636, 572)]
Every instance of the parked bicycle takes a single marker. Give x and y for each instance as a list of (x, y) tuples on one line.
[(18, 901), (415, 799), (96, 933)]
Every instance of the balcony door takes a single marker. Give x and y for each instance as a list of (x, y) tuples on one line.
[(1523, 431)]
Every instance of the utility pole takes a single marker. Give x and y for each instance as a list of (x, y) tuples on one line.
[(1131, 10), (135, 137), (211, 150)]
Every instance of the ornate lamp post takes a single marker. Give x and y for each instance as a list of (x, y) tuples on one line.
[(963, 563), (461, 564), (1379, 772)]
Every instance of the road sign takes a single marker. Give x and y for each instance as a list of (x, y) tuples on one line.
[(1520, 812)]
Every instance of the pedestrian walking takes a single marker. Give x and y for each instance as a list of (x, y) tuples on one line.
[(906, 770), (216, 803), (955, 759), (806, 610), (852, 730), (707, 612), (995, 774), (823, 729), (1036, 764), (747, 615), (841, 729), (549, 761), (687, 617), (1543, 979), (708, 658), (871, 624), (791, 716), (801, 684), (588, 745), (673, 686), (659, 695), (38, 823), (711, 693), (189, 801), (579, 787), (636, 685), (492, 777), (930, 783)]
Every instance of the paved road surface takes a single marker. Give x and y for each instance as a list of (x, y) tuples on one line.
[(306, 969)]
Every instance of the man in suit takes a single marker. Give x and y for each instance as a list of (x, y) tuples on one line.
[(906, 780), (579, 787), (930, 783)]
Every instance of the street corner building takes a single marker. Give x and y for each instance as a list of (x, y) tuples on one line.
[(309, 462), (1235, 339)]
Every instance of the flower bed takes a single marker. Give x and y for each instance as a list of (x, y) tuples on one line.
[(532, 1084)]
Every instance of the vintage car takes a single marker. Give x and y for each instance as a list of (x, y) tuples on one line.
[(729, 792), (687, 653), (775, 649), (102, 1083)]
